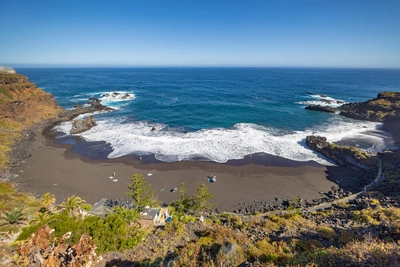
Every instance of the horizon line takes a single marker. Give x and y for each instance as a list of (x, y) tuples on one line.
[(45, 65)]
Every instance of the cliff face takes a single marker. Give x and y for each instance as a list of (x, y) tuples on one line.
[(22, 104)]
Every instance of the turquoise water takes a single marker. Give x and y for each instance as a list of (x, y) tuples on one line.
[(217, 113)]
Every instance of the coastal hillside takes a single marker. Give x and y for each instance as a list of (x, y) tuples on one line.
[(340, 229), (22, 104)]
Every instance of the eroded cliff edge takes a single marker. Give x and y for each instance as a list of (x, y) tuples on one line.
[(25, 112), (22, 104)]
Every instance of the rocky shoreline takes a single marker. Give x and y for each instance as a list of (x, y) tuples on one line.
[(350, 157), (37, 136), (384, 108), (335, 219)]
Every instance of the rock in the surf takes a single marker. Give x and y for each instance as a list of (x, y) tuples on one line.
[(322, 108), (79, 126)]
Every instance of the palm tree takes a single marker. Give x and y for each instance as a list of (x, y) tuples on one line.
[(14, 217), (72, 205)]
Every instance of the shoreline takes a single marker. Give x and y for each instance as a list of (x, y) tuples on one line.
[(79, 169), (257, 178)]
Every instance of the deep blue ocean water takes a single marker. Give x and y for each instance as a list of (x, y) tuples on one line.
[(218, 114)]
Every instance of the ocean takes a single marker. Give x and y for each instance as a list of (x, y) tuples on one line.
[(219, 114)]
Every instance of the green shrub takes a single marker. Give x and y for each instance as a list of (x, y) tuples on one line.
[(114, 233), (174, 227)]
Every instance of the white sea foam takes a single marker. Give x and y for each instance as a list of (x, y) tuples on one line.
[(221, 145), (117, 96), (323, 100), (107, 98)]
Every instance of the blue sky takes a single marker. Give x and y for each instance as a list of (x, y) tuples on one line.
[(298, 33)]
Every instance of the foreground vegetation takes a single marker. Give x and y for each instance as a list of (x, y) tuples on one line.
[(286, 238)]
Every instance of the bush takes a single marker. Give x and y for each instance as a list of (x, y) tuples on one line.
[(347, 237), (197, 202), (326, 232), (174, 227), (369, 252), (115, 233), (233, 220)]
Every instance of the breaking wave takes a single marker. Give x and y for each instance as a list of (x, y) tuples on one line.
[(323, 100), (221, 144)]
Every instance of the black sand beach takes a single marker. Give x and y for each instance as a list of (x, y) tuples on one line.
[(77, 168)]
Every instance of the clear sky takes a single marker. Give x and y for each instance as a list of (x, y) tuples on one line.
[(336, 33)]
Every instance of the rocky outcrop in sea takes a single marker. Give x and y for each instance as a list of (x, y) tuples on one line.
[(379, 109), (79, 126)]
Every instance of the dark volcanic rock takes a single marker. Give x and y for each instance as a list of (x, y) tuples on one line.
[(99, 107), (79, 126), (93, 100), (383, 107), (322, 108), (347, 156), (126, 96)]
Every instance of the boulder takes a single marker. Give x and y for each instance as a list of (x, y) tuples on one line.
[(93, 100), (79, 126), (97, 106)]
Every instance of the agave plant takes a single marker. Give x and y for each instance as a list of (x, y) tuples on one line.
[(13, 217), (73, 205)]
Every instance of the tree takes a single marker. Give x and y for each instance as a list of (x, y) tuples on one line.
[(140, 192), (73, 205), (197, 202), (184, 198), (203, 196), (14, 217)]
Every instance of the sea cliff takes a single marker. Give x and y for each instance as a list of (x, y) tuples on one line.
[(26, 111), (22, 104)]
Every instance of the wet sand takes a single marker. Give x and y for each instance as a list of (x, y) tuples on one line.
[(55, 169)]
